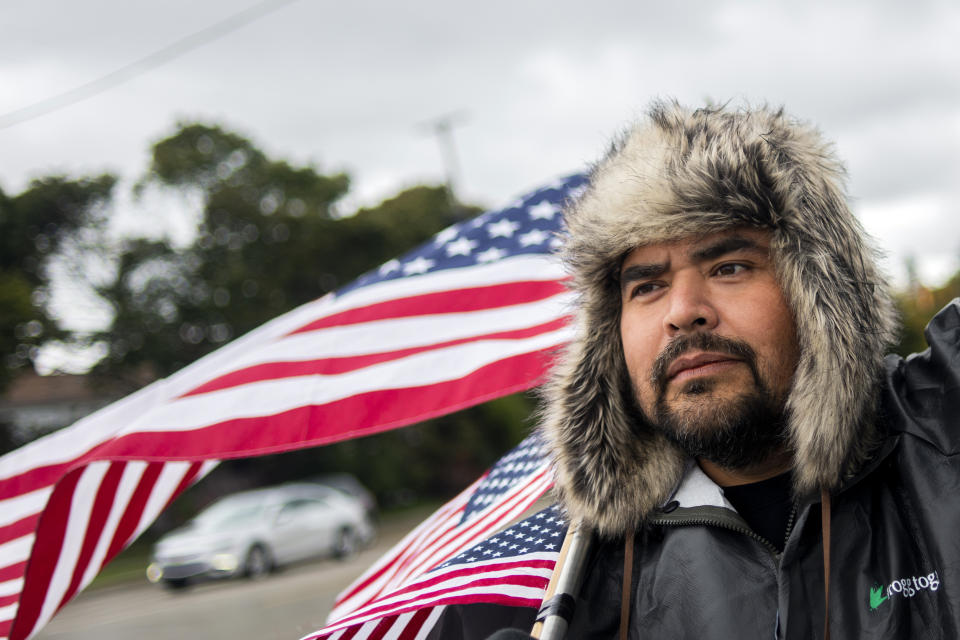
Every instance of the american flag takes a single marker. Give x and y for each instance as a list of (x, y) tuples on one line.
[(471, 315), (442, 562)]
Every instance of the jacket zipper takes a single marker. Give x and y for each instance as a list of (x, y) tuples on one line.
[(715, 522), (790, 521), (731, 526), (723, 525)]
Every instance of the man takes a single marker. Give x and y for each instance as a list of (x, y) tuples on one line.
[(725, 408)]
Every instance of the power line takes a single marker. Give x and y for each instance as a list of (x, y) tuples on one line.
[(141, 66)]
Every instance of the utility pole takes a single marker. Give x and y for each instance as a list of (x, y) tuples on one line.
[(442, 128)]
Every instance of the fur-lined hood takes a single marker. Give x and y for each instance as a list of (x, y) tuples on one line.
[(680, 173)]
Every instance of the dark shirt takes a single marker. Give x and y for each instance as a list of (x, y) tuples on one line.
[(766, 506)]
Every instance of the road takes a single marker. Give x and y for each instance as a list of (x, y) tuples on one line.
[(283, 606)]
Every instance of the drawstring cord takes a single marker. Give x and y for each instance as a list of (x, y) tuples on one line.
[(625, 590), (825, 532)]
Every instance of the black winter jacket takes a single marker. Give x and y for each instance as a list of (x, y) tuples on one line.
[(700, 573)]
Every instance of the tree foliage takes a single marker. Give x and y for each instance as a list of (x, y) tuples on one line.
[(267, 240), (46, 222), (917, 305)]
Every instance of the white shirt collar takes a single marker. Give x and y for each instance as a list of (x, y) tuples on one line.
[(698, 490)]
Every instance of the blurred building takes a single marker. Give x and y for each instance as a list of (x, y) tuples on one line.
[(34, 405)]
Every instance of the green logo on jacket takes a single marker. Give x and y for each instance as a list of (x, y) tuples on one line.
[(876, 598), (905, 587)]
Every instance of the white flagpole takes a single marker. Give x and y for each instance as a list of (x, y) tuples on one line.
[(558, 601)]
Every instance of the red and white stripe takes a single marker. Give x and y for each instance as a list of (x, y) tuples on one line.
[(391, 596), (517, 583), (376, 358), (91, 515)]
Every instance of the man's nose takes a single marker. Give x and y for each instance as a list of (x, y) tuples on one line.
[(690, 307)]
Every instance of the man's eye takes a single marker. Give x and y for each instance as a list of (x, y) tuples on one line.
[(730, 269), (644, 288)]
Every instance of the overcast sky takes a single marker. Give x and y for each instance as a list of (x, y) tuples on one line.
[(540, 86)]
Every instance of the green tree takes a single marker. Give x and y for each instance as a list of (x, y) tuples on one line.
[(49, 221), (18, 322), (251, 258), (267, 240), (917, 305)]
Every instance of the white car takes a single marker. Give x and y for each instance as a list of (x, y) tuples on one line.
[(253, 532)]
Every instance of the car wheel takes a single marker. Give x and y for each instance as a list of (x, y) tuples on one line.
[(346, 543), (258, 563), (175, 584)]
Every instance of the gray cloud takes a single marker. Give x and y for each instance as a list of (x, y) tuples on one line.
[(544, 85)]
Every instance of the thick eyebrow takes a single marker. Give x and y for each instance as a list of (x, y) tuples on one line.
[(725, 246), (641, 272), (722, 247)]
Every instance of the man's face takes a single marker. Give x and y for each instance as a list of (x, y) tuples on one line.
[(710, 343)]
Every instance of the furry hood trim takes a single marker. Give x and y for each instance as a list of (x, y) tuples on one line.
[(680, 173)]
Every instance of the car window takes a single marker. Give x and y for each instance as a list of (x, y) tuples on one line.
[(299, 509), (300, 504), (229, 513)]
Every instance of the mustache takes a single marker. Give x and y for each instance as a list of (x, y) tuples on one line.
[(700, 342)]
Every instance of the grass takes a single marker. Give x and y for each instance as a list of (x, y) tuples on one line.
[(130, 565)]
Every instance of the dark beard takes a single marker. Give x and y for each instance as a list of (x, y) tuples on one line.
[(738, 434)]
